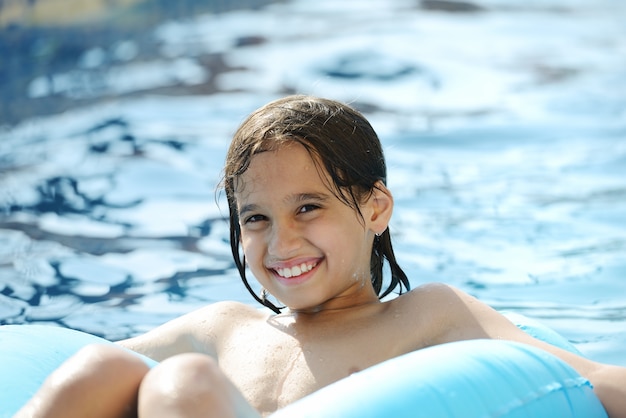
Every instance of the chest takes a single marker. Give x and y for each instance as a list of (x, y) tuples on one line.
[(273, 368)]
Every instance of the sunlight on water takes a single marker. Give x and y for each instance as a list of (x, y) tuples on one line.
[(504, 129)]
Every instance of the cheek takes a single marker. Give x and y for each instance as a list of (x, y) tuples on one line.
[(245, 245), (251, 248)]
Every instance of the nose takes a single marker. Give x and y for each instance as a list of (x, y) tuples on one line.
[(284, 239)]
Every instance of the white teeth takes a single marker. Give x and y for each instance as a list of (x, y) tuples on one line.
[(295, 271)]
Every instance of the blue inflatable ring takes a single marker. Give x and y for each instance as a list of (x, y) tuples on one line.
[(477, 378)]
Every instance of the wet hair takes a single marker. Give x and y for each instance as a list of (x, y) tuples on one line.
[(340, 141)]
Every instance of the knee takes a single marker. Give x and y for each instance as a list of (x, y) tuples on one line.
[(184, 373), (96, 378), (188, 382), (96, 365)]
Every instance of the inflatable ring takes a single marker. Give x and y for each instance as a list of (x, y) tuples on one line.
[(29, 353), (477, 378)]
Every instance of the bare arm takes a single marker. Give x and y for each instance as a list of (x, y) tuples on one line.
[(468, 318)]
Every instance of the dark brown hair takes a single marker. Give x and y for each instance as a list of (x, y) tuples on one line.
[(340, 139)]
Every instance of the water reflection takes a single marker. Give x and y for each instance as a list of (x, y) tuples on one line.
[(503, 126)]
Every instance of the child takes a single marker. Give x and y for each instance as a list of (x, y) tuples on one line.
[(309, 210)]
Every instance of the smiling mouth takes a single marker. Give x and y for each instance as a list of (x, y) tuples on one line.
[(295, 271)]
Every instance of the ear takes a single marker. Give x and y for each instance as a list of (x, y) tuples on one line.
[(380, 205)]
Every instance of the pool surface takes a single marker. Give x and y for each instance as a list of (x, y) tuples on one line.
[(503, 123)]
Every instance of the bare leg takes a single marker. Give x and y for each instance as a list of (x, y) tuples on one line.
[(99, 381), (191, 385)]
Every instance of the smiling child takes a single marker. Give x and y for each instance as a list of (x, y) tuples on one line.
[(305, 180)]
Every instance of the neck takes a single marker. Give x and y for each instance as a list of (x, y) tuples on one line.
[(341, 304)]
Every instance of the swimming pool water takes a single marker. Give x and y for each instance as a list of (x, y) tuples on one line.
[(504, 128)]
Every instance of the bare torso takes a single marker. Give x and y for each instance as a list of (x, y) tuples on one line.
[(276, 359)]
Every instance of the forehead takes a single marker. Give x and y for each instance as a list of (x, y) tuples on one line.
[(286, 169)]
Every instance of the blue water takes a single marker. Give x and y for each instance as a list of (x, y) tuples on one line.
[(504, 130)]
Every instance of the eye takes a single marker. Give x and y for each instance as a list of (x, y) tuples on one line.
[(308, 208), (254, 219)]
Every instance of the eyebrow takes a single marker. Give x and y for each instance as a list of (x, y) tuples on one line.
[(251, 207), (295, 198)]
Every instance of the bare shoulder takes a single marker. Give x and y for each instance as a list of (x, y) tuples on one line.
[(221, 313), (441, 296), (450, 314), (433, 298), (198, 331)]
